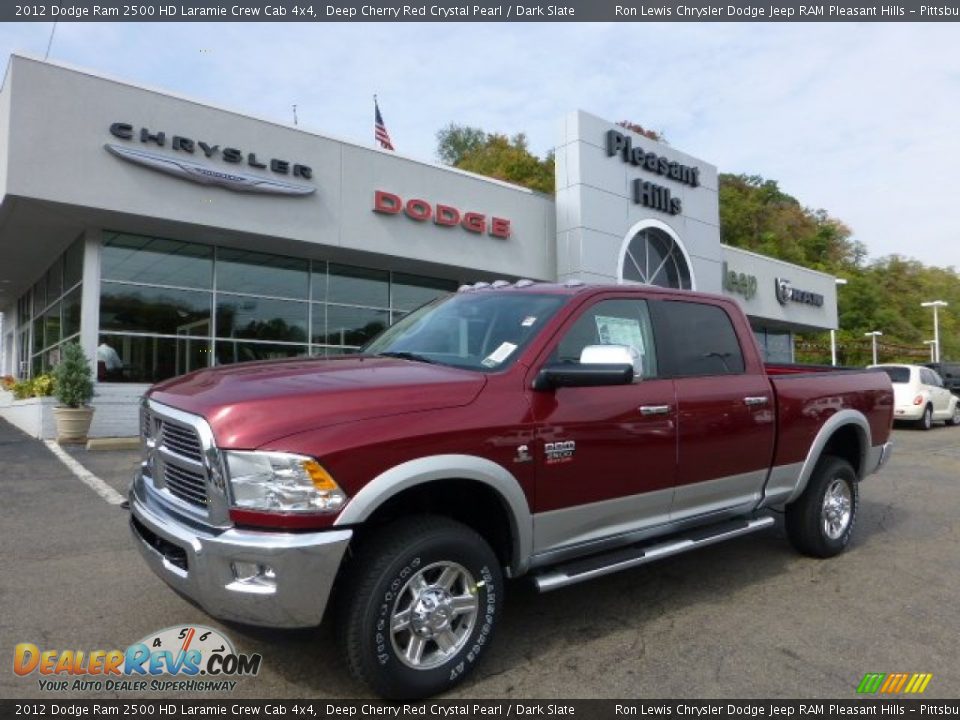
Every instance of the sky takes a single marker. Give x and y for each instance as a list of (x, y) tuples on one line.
[(862, 120)]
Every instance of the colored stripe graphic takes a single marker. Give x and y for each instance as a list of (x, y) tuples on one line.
[(893, 683), (870, 683)]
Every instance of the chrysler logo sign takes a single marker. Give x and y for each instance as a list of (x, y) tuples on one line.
[(186, 168)]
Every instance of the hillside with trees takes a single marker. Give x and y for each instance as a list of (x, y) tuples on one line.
[(755, 214)]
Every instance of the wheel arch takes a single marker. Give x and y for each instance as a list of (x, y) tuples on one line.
[(845, 434), (432, 479)]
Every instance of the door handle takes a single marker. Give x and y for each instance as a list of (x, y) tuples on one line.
[(654, 409), (756, 400)]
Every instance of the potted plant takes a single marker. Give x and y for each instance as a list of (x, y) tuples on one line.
[(73, 381)]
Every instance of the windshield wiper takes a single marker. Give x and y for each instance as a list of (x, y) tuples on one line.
[(408, 356)]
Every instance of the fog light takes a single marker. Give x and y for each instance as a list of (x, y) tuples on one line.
[(249, 573)]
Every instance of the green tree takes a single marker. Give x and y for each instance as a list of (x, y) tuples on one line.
[(73, 378), (496, 156), (455, 141)]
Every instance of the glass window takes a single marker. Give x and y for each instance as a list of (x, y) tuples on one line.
[(318, 280), (40, 295), (260, 274), (610, 322), (51, 324), (358, 286), (261, 319), (55, 280), (165, 311), (73, 263), (348, 325), (139, 359), (703, 340), (654, 258), (476, 330), (899, 375), (38, 343), (23, 310), (233, 352), (71, 312), (411, 291), (135, 258)]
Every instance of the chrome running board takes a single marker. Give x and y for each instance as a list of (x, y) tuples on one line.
[(575, 571)]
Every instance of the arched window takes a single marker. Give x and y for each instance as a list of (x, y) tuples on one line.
[(654, 258)]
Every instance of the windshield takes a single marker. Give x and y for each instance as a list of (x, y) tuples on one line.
[(898, 375), (482, 330)]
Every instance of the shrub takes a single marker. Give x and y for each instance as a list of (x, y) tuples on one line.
[(22, 389), (42, 385), (8, 382), (73, 377)]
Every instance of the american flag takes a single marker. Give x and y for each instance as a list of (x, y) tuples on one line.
[(379, 129)]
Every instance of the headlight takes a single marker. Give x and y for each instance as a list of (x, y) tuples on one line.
[(270, 481)]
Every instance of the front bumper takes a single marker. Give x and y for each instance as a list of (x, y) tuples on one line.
[(198, 562)]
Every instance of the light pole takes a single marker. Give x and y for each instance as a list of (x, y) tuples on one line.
[(833, 331), (933, 346), (873, 335), (935, 304)]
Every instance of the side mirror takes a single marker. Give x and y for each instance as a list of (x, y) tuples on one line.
[(613, 355), (556, 376)]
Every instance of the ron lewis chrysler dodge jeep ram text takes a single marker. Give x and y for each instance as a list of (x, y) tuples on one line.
[(556, 431)]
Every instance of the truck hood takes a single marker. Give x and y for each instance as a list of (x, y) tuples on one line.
[(251, 404)]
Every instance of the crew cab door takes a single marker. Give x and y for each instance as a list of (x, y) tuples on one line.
[(725, 409), (606, 456)]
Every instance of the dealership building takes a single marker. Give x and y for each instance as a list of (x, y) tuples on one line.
[(166, 235)]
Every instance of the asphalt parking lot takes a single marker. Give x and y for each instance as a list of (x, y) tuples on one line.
[(745, 619)]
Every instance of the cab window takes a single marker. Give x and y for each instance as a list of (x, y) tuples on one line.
[(610, 322)]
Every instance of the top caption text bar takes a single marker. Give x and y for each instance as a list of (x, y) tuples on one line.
[(389, 10)]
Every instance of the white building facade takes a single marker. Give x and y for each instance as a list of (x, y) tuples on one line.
[(166, 235)]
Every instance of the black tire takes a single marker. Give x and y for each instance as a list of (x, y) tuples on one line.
[(807, 517), (926, 422), (378, 585), (955, 418)]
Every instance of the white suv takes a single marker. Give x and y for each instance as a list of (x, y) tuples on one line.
[(919, 396)]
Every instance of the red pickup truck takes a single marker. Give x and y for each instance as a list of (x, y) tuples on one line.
[(560, 432)]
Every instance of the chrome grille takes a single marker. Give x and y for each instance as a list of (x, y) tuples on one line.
[(180, 440), (174, 456), (187, 485)]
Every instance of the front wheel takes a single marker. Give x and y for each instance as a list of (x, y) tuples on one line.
[(418, 606), (820, 522)]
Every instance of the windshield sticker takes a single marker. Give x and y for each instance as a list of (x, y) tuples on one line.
[(499, 355), (528, 321), (620, 331)]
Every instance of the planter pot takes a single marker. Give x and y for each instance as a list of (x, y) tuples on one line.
[(73, 424)]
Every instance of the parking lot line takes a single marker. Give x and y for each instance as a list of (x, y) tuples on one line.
[(85, 476)]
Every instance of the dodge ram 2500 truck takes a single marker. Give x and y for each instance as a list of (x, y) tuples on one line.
[(560, 432)]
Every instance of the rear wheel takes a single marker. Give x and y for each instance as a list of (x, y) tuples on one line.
[(418, 606), (820, 522), (955, 418), (926, 422)]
